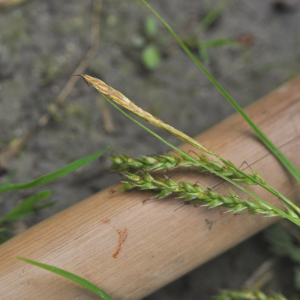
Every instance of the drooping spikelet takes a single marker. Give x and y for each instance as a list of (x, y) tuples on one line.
[(120, 99)]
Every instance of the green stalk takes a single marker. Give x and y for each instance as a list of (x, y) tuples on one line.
[(53, 175), (212, 15), (267, 187), (280, 156)]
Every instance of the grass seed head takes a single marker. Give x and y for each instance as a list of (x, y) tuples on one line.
[(194, 193)]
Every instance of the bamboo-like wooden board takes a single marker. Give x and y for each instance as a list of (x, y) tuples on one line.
[(160, 241)]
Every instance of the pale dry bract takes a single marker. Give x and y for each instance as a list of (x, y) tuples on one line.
[(120, 99)]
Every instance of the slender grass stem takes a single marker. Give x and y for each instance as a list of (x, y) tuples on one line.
[(212, 15), (267, 187), (277, 153)]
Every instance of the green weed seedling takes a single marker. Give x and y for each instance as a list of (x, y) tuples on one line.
[(149, 44)]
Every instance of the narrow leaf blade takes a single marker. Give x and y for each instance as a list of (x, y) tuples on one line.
[(54, 175), (83, 282), (26, 207)]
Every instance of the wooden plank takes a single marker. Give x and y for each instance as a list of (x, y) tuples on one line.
[(162, 242)]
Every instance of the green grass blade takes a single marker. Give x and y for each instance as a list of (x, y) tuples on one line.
[(184, 154), (203, 46), (3, 237), (8, 180), (218, 43), (83, 282), (42, 206), (212, 15), (280, 156), (26, 207), (203, 54), (54, 175)]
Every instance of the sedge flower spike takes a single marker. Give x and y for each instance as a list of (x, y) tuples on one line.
[(119, 98), (122, 100), (194, 193)]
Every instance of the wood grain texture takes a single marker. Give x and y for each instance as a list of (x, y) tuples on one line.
[(162, 242)]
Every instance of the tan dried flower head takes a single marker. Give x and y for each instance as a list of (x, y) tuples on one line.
[(120, 99)]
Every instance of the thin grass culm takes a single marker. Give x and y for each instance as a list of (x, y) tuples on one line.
[(79, 280), (267, 142), (109, 93)]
